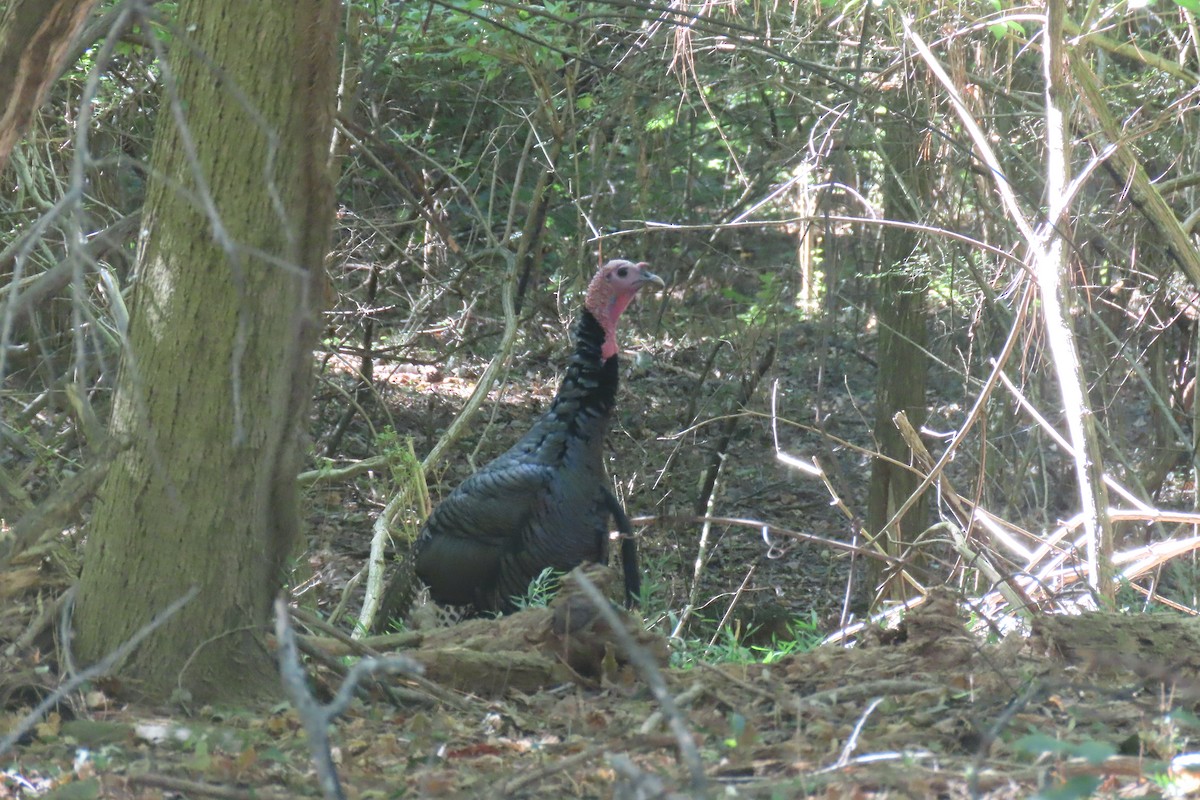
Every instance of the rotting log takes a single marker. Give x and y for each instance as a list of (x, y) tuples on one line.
[(536, 648)]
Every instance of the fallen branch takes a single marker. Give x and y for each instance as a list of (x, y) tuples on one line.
[(96, 670), (316, 717)]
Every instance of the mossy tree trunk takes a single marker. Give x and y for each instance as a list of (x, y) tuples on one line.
[(900, 312), (216, 377)]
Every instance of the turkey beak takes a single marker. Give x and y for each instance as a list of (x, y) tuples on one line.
[(649, 277)]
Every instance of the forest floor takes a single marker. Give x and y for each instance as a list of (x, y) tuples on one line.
[(927, 712), (1099, 705)]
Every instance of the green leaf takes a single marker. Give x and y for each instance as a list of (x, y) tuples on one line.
[(1077, 788), (1191, 5), (1039, 743), (1095, 752), (79, 790), (1092, 751), (1182, 716), (1002, 29)]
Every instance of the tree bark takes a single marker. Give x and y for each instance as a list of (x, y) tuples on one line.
[(1051, 266), (35, 38), (216, 377), (900, 310)]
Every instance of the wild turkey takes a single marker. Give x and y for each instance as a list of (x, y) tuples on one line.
[(546, 502)]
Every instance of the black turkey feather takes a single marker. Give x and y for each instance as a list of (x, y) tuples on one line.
[(546, 502)]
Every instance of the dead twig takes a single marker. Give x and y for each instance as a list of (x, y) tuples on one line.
[(192, 788), (96, 670), (316, 717), (562, 765), (654, 679), (55, 512)]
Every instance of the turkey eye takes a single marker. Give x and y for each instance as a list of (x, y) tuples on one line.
[(622, 272)]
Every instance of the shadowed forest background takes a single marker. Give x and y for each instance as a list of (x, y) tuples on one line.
[(273, 281)]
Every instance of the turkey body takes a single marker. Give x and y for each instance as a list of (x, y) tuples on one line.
[(545, 502)]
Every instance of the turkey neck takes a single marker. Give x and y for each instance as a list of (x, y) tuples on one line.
[(575, 424), (589, 378), (589, 389)]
